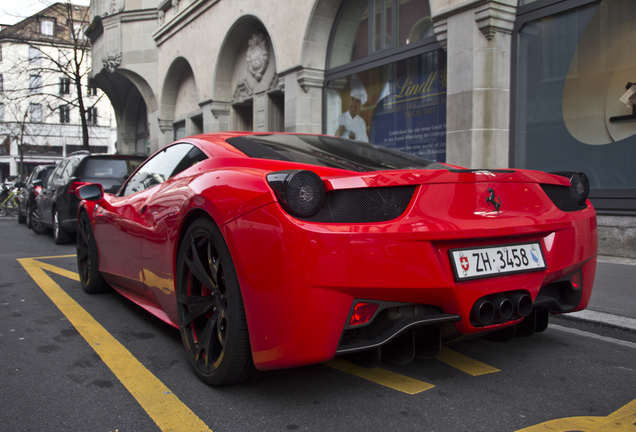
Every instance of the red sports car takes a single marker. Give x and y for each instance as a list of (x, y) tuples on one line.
[(278, 250)]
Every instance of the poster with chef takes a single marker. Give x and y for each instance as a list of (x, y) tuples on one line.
[(400, 105)]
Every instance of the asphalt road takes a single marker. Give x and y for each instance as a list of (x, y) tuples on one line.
[(116, 367)]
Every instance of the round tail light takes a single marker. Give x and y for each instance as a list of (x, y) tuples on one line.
[(300, 192), (580, 187)]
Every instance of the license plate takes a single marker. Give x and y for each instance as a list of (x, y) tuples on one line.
[(496, 260)]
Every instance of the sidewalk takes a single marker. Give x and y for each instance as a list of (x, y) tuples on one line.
[(613, 301)]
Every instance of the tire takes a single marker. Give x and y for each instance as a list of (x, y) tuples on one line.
[(88, 258), (27, 217), (210, 308), (21, 217), (36, 223), (60, 235)]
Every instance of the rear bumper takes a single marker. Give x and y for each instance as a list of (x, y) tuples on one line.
[(299, 280)]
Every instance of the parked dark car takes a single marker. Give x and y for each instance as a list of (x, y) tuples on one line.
[(57, 203), (31, 190)]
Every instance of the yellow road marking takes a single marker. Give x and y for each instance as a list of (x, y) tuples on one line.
[(622, 420), (464, 363), (167, 411), (57, 270), (381, 376)]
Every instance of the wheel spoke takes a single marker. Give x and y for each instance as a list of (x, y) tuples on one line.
[(196, 267), (206, 341), (82, 252), (198, 306)]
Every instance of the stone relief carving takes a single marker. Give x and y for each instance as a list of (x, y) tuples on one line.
[(243, 91), (175, 5), (258, 55), (111, 61), (113, 6)]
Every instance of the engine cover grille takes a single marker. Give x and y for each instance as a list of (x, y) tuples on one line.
[(376, 204)]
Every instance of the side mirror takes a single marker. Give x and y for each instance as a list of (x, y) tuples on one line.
[(90, 192)]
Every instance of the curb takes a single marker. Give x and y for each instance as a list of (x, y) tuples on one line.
[(602, 319)]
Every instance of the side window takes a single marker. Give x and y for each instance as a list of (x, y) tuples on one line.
[(57, 172), (164, 165), (70, 168)]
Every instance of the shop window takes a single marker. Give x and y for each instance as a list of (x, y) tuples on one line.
[(393, 23), (243, 116), (573, 106), (179, 130), (399, 101), (276, 112), (197, 125)]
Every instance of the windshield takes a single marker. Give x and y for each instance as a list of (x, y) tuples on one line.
[(330, 152)]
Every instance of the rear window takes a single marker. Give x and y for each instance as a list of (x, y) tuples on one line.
[(329, 151), (97, 168), (44, 174)]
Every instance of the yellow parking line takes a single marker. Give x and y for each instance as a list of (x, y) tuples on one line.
[(381, 376), (167, 411), (57, 270), (621, 420), (464, 363)]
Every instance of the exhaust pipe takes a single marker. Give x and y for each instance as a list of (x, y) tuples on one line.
[(483, 312), (503, 308), (522, 304)]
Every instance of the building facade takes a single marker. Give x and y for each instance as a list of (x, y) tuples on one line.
[(42, 58), (538, 84)]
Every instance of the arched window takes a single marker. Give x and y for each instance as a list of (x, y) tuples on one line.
[(386, 77)]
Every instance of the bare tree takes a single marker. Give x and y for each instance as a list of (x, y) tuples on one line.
[(50, 60)]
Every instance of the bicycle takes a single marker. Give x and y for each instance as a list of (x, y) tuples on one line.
[(9, 205)]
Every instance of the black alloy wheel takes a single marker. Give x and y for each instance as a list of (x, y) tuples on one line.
[(210, 308), (88, 258), (60, 235), (36, 223)]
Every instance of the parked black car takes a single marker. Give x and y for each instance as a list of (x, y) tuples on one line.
[(30, 191), (56, 205)]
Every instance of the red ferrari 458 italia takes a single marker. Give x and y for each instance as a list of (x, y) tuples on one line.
[(278, 250)]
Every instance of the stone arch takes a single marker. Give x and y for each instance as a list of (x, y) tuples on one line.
[(321, 21), (246, 93), (131, 96), (231, 48), (316, 39), (179, 94)]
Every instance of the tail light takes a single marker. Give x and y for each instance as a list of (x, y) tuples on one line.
[(300, 192), (74, 186), (579, 185), (362, 313)]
